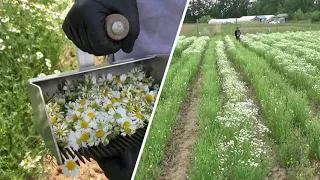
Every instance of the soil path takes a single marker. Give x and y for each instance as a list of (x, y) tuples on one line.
[(178, 156)]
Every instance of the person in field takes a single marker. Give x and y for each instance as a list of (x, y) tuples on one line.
[(237, 33), (153, 28)]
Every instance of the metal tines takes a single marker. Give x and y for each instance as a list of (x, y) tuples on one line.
[(114, 148)]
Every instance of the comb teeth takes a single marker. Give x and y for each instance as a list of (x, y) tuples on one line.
[(114, 148)]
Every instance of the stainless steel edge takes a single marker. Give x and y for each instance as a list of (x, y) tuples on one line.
[(42, 120)]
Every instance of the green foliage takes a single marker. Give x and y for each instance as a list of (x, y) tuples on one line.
[(31, 42), (315, 16), (177, 80), (299, 15), (204, 19)]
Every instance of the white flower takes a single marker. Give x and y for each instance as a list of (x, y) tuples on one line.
[(83, 124), (3, 47), (123, 77), (74, 141), (39, 55), (110, 77), (41, 75), (56, 71), (117, 113), (61, 130), (136, 74), (48, 63), (71, 168)]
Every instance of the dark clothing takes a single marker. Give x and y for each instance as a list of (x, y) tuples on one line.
[(237, 33), (121, 167)]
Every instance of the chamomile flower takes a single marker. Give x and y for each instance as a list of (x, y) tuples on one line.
[(90, 112), (73, 115), (127, 126), (110, 78), (61, 130), (150, 97), (74, 141), (117, 113), (136, 74), (71, 168), (83, 124)]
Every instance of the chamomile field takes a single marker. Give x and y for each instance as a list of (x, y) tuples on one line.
[(238, 110)]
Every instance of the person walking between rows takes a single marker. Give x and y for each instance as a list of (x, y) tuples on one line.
[(237, 33)]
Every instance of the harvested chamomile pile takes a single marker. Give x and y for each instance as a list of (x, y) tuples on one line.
[(94, 110)]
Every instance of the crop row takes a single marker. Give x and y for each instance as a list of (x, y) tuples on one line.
[(301, 74), (241, 144), (167, 110), (285, 111), (291, 46)]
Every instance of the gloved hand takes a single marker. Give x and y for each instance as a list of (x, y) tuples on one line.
[(121, 167), (84, 25)]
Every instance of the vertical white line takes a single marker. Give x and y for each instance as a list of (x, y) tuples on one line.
[(160, 90)]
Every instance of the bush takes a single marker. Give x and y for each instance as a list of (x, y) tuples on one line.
[(299, 15), (315, 16), (31, 42), (204, 19)]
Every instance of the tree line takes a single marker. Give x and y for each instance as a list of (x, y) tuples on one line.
[(296, 9)]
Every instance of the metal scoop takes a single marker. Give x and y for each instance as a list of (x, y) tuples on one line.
[(154, 65)]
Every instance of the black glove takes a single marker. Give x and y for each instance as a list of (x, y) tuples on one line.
[(84, 25), (121, 167)]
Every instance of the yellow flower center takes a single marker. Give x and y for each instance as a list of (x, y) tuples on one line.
[(71, 165), (131, 100), (140, 94), (117, 79), (58, 106), (113, 100), (75, 117), (82, 102), (149, 98), (84, 125), (119, 100), (80, 110), (127, 130), (106, 92), (54, 120), (109, 106), (91, 115), (85, 137), (125, 93), (100, 133), (138, 108), (130, 108), (126, 124), (139, 116), (131, 90)]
